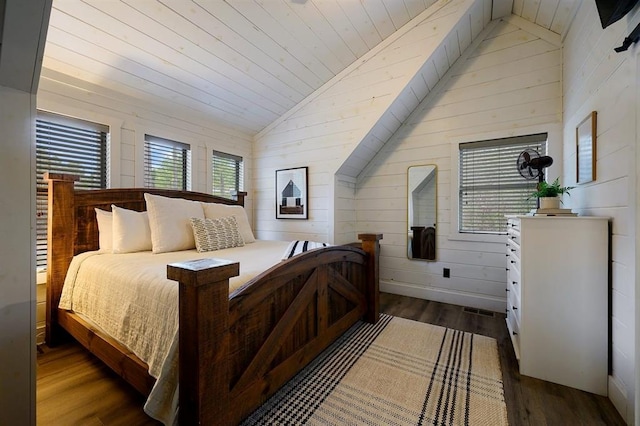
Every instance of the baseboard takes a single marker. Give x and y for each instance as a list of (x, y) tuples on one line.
[(445, 296), (618, 396)]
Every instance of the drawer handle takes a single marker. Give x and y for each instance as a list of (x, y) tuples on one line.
[(514, 308), (512, 261), (513, 249), (514, 333), (514, 282), (507, 269), (506, 289)]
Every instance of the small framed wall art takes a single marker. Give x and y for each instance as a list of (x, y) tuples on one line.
[(586, 149), (292, 194)]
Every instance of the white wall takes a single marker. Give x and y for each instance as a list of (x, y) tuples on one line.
[(130, 120), (598, 79), (23, 25), (17, 258), (507, 83), (337, 130)]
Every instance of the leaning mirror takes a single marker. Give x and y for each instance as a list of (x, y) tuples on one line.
[(421, 199)]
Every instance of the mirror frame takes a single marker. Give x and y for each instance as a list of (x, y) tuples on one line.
[(430, 169)]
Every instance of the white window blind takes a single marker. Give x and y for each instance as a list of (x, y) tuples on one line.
[(227, 174), (66, 145), (167, 164), (490, 185)]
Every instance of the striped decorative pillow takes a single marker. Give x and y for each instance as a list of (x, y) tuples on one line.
[(216, 234)]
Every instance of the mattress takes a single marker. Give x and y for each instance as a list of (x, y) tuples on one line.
[(129, 297)]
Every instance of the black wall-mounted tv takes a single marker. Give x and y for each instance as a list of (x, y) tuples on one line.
[(612, 10)]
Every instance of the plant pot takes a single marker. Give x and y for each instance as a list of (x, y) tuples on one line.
[(549, 202)]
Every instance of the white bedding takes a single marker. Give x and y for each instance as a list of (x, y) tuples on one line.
[(144, 317)]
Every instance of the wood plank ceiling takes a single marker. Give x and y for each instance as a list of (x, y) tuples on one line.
[(242, 63)]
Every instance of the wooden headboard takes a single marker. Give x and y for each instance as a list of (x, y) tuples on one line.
[(73, 227), (86, 201)]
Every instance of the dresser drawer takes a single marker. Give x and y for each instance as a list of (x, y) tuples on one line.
[(513, 237), (513, 278), (513, 223), (513, 305), (513, 265), (513, 248), (514, 334)]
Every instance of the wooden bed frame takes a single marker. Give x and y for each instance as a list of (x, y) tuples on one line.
[(236, 349)]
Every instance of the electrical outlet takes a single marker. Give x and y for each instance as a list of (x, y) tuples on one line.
[(446, 273)]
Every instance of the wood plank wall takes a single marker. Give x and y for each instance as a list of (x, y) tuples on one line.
[(598, 79), (339, 129), (507, 84), (131, 118)]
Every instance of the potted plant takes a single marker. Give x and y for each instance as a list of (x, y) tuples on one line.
[(548, 194)]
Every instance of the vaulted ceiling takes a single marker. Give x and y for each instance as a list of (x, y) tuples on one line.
[(242, 63)]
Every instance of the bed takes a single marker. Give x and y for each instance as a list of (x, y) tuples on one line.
[(235, 348)]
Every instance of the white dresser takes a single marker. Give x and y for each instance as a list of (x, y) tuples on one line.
[(557, 298)]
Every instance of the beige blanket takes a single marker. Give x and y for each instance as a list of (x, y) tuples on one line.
[(130, 298)]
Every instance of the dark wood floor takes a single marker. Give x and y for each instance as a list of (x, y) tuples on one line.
[(529, 401), (74, 388)]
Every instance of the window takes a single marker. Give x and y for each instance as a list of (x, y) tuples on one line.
[(66, 145), (490, 185), (227, 174), (167, 164)]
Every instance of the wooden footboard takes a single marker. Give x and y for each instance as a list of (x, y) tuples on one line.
[(237, 349), (262, 334)]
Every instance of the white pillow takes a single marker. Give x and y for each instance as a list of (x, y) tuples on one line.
[(169, 220), (216, 234), (105, 221), (216, 211), (131, 231)]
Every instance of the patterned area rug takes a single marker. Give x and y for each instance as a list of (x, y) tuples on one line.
[(397, 372)]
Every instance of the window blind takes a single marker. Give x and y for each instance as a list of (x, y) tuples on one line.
[(66, 145), (167, 164), (490, 185), (227, 174)]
